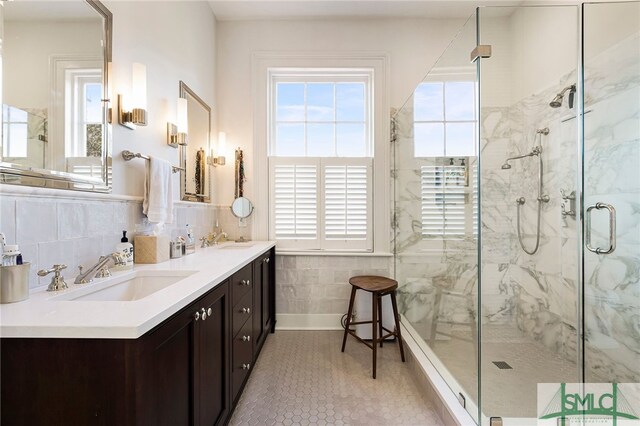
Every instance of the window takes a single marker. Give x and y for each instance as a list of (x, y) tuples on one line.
[(320, 159), (445, 135), (445, 119), (83, 102), (14, 132)]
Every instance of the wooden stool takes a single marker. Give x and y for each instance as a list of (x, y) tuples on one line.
[(378, 287)]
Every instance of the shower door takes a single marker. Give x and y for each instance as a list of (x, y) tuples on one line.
[(611, 185)]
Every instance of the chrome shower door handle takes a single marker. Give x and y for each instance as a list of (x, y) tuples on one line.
[(612, 228)]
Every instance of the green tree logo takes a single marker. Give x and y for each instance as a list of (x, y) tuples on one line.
[(612, 405)]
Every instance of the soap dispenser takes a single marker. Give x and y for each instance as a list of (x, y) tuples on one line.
[(126, 248)]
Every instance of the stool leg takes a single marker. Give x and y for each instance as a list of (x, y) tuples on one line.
[(349, 313), (380, 331), (374, 328), (397, 318)]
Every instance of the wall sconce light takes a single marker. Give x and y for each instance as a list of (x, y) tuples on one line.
[(137, 115), (219, 160), (177, 133)]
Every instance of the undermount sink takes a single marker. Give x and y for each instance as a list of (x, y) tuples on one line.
[(237, 246), (127, 288)]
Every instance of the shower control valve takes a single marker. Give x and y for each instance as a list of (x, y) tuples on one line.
[(571, 199)]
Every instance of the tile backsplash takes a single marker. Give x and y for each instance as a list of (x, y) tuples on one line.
[(51, 230)]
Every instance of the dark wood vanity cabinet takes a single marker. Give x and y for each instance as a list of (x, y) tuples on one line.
[(263, 298), (189, 370), (183, 365)]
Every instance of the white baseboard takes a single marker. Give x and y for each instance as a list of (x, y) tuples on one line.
[(308, 322)]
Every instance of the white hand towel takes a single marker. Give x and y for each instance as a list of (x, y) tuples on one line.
[(158, 191)]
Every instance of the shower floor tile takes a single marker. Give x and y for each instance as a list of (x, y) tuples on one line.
[(505, 392), (301, 377)]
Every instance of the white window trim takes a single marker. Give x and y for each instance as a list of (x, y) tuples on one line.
[(258, 188), (59, 64)]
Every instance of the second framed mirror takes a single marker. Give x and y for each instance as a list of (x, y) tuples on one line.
[(194, 178)]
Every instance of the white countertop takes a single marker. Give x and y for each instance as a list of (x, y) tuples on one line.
[(45, 315)]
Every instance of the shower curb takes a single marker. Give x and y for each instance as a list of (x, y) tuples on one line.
[(438, 392)]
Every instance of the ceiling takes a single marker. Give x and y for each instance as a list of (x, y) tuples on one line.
[(226, 10)]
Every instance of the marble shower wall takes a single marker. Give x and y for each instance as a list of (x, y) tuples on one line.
[(437, 277), (612, 175), (534, 293)]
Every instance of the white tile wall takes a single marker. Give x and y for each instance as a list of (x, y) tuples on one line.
[(76, 232), (320, 284)]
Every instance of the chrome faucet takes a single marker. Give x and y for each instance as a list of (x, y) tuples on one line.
[(216, 237), (100, 269)]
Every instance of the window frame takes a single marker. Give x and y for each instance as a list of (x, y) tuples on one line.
[(443, 76), (335, 76), (258, 188)]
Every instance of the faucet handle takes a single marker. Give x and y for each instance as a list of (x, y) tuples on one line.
[(205, 242), (55, 269), (119, 258), (57, 281)]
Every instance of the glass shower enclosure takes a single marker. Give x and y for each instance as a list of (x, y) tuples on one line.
[(517, 206)]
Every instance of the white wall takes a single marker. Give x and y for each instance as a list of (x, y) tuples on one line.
[(176, 41), (413, 46)]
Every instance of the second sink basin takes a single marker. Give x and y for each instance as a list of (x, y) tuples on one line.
[(127, 288), (237, 246)]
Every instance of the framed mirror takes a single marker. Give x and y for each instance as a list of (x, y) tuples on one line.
[(194, 176), (55, 85)]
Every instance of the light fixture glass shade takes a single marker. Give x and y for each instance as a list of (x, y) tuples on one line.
[(182, 121), (139, 86)]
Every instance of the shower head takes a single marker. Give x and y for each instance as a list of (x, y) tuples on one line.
[(506, 166), (557, 101)]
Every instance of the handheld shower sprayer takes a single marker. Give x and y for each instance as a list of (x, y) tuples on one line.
[(536, 151)]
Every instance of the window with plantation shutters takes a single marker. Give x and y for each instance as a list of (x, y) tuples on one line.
[(445, 121), (321, 159), (449, 200)]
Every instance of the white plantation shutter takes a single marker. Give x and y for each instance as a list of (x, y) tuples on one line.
[(294, 200), (347, 203), (321, 203), (443, 193)]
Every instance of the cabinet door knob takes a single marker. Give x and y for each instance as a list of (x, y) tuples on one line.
[(209, 311), (245, 282), (246, 366), (246, 338), (246, 310), (267, 260), (203, 314), (196, 316)]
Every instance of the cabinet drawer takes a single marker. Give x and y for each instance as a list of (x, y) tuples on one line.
[(241, 283), (242, 357), (242, 312)]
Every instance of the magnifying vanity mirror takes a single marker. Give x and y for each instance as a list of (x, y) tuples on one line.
[(242, 207), (194, 176), (55, 94)]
